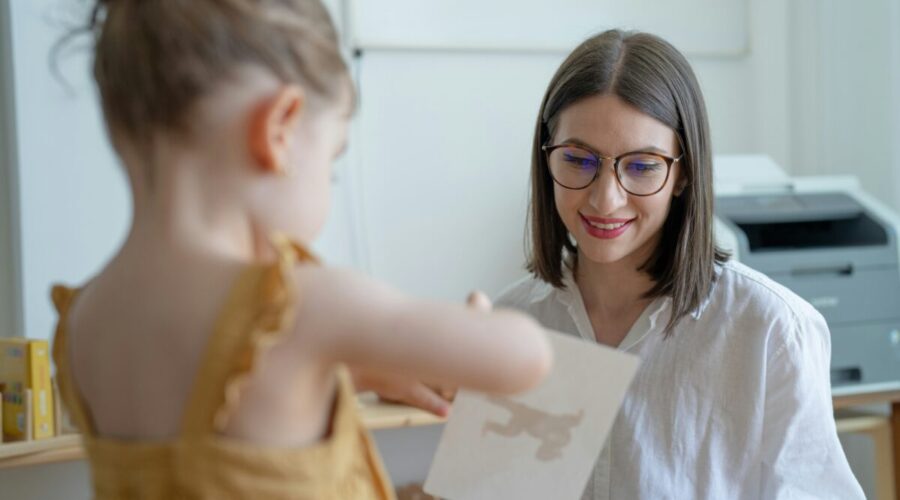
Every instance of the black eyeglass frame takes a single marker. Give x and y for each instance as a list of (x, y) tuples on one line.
[(547, 149)]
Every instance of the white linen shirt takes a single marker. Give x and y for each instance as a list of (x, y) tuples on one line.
[(736, 403)]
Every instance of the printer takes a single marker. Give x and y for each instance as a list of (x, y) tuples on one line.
[(830, 243)]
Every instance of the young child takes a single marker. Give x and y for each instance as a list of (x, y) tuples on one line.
[(206, 359), (732, 399)]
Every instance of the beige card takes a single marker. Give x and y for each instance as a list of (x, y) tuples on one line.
[(539, 444)]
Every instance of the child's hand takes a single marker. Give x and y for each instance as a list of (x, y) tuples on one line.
[(478, 300), (399, 389)]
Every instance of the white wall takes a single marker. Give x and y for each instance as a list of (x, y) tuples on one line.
[(845, 90), (541, 26), (895, 77), (482, 118), (10, 306), (786, 103), (73, 206), (445, 127)]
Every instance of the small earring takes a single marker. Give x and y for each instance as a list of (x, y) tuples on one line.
[(285, 171)]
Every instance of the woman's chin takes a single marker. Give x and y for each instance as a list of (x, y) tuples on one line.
[(602, 255)]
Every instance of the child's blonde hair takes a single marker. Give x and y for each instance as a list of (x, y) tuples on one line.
[(153, 59)]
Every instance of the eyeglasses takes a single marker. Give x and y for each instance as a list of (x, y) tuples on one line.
[(641, 174)]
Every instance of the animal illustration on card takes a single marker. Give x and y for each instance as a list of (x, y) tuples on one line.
[(553, 431)]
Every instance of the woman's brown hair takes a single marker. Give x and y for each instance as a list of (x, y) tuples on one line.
[(153, 59), (648, 73)]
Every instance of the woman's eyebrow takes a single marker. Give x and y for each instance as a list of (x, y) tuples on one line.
[(578, 142), (585, 144), (652, 149)]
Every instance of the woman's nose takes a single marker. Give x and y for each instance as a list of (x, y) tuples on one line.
[(606, 194)]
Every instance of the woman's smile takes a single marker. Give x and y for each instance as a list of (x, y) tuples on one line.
[(605, 228)]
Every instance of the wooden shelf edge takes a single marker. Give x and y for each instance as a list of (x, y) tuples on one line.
[(851, 400), (375, 415), (41, 451)]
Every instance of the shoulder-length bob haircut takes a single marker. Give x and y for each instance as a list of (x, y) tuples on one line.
[(648, 73)]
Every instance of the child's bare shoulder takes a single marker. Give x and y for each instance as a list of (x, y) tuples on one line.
[(334, 303)]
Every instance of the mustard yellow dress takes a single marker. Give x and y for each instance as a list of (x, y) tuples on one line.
[(203, 463)]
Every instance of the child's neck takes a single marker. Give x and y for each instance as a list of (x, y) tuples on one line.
[(190, 206)]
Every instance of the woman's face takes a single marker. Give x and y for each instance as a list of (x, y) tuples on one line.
[(609, 224)]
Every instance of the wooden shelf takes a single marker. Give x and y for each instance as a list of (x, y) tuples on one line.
[(868, 398), (375, 415), (41, 451)]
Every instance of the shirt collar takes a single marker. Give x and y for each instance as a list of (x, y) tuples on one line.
[(649, 321), (657, 312), (570, 297)]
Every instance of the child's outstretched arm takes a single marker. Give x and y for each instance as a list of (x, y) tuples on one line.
[(434, 398), (346, 317)]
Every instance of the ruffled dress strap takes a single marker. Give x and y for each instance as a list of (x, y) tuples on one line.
[(63, 297), (257, 314)]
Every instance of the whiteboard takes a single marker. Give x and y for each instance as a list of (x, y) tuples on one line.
[(696, 27)]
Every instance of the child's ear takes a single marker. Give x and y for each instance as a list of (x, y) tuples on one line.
[(271, 130)]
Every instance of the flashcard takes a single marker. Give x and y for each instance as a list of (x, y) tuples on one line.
[(539, 444)]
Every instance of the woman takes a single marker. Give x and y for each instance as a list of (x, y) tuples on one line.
[(733, 396)]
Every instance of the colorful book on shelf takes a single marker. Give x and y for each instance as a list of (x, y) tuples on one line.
[(28, 400)]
